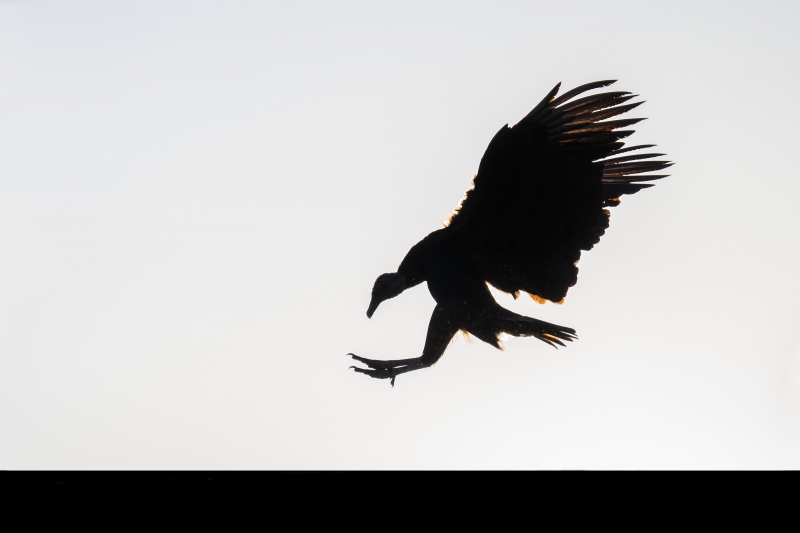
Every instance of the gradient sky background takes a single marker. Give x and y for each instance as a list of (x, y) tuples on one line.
[(196, 198)]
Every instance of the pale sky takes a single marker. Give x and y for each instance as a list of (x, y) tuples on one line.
[(196, 198)]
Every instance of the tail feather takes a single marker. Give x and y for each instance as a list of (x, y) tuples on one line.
[(523, 326), (491, 329)]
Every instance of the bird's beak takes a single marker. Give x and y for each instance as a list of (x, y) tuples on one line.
[(373, 305)]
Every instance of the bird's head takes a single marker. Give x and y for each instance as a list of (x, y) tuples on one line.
[(386, 286)]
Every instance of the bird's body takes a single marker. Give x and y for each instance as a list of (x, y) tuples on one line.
[(538, 200)]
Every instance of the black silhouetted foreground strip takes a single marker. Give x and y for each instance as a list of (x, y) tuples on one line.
[(539, 198), (312, 489)]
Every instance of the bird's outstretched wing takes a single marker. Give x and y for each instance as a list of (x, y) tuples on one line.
[(543, 186)]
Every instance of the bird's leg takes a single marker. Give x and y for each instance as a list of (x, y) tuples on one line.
[(441, 330)]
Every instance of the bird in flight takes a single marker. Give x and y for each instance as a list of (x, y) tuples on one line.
[(539, 198)]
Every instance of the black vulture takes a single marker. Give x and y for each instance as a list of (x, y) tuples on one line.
[(539, 198)]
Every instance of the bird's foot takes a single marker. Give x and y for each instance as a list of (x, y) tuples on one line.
[(390, 369)]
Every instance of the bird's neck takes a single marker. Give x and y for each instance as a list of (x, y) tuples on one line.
[(413, 266)]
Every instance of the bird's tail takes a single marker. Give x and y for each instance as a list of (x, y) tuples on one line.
[(507, 322), (524, 326)]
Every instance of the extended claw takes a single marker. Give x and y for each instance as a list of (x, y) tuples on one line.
[(372, 363)]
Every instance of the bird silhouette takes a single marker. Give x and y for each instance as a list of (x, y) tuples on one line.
[(540, 197)]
